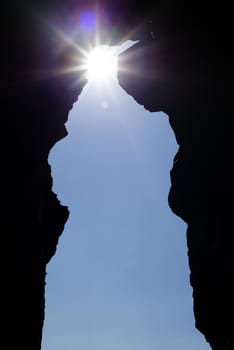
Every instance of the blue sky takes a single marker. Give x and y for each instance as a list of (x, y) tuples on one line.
[(120, 277)]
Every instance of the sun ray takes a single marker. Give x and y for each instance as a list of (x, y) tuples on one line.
[(91, 59)]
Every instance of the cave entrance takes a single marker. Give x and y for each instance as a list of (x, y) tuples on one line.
[(120, 277)]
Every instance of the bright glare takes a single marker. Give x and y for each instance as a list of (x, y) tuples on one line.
[(101, 64)]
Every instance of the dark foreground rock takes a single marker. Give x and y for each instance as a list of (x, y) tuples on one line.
[(183, 65)]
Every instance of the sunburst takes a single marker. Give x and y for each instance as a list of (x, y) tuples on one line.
[(94, 62), (101, 64)]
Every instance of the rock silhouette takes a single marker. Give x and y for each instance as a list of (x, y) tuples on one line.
[(186, 75)]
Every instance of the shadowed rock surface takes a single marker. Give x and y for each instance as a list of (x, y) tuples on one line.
[(181, 65), (183, 71)]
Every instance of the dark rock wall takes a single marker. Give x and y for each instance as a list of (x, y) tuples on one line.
[(184, 72), (35, 102), (183, 65)]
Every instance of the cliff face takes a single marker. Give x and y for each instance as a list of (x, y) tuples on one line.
[(180, 60), (182, 72), (35, 102)]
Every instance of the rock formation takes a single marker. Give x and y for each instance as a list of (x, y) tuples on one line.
[(181, 71), (182, 58), (35, 102)]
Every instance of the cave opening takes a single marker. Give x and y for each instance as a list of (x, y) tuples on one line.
[(120, 277)]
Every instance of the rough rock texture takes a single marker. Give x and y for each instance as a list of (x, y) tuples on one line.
[(182, 62)]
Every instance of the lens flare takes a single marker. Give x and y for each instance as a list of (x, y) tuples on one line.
[(88, 22)]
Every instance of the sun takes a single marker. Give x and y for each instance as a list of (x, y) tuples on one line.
[(101, 64), (92, 61), (97, 64)]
